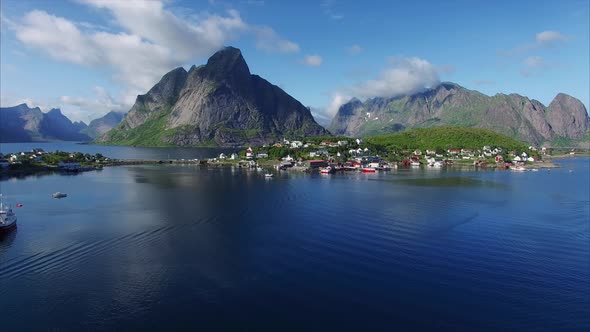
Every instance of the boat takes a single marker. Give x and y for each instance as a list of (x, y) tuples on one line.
[(368, 170), (415, 163), (268, 175), (59, 195), (260, 169), (327, 170), (7, 217)]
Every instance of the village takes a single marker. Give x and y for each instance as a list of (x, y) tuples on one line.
[(315, 155), (330, 156)]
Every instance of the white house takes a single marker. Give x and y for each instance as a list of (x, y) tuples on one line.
[(342, 143), (359, 141), (531, 159), (517, 158), (524, 155), (222, 156), (13, 157), (417, 152), (288, 158), (249, 153), (313, 154), (233, 156), (296, 144)]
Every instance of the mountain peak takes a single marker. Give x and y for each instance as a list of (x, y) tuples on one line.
[(227, 62), (54, 111)]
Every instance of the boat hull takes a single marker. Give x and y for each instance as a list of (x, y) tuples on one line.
[(8, 227)]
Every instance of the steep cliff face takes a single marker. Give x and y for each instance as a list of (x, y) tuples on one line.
[(568, 117), (450, 104), (220, 103), (23, 124)]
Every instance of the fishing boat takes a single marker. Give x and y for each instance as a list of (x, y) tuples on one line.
[(59, 195), (7, 217), (368, 170), (268, 175)]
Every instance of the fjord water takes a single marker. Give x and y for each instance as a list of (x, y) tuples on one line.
[(188, 248)]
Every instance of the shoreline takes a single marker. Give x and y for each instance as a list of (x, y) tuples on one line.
[(6, 174)]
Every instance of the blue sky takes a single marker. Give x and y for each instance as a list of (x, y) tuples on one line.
[(91, 56)]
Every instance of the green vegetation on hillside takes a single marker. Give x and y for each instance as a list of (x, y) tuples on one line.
[(150, 133), (444, 138)]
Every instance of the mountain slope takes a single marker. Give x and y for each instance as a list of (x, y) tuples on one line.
[(23, 124), (450, 104), (219, 103), (98, 127)]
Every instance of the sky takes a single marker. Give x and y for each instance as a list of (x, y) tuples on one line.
[(89, 57)]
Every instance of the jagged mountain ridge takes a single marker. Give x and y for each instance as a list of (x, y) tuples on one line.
[(220, 103), (450, 104), (23, 124)]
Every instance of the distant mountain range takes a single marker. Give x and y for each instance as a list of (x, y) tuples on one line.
[(98, 127), (24, 124), (222, 104), (217, 104), (450, 104)]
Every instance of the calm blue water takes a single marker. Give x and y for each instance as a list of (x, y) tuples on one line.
[(183, 248), (118, 152)]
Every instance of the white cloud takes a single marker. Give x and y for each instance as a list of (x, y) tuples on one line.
[(354, 49), (338, 99), (550, 37), (403, 76), (152, 42), (269, 41), (313, 60), (533, 64), (533, 61), (544, 39)]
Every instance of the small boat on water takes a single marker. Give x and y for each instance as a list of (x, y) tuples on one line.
[(268, 175), (327, 170), (59, 195), (7, 217), (415, 164), (368, 170)]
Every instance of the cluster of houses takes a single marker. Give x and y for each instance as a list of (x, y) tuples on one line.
[(17, 158), (35, 156), (357, 156)]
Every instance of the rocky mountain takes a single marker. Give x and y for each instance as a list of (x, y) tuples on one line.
[(23, 124), (450, 104), (98, 127), (220, 103)]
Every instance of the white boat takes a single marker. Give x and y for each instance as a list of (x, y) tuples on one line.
[(59, 195), (327, 170), (268, 175), (415, 163), (7, 217), (437, 164)]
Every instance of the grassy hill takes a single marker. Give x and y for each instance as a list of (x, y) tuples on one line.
[(444, 138)]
